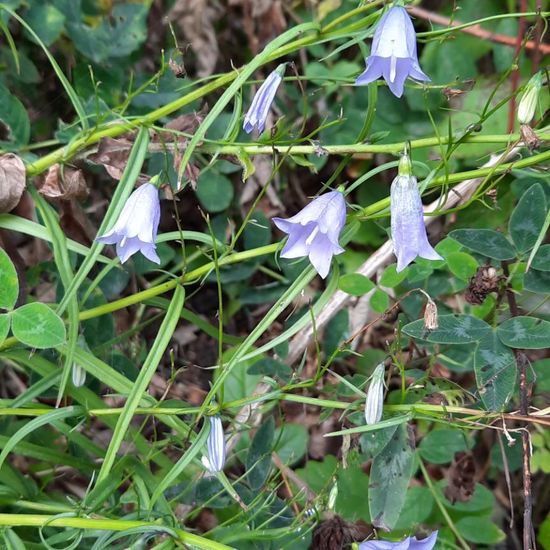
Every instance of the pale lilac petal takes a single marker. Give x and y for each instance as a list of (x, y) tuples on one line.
[(137, 225), (373, 71), (424, 544), (410, 543), (395, 74), (320, 255), (296, 246), (417, 73), (127, 248)]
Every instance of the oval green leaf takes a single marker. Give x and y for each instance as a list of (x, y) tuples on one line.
[(214, 191), (9, 284), (528, 217), (4, 326), (355, 284), (525, 332), (495, 369), (462, 265), (486, 242), (453, 329), (37, 326)]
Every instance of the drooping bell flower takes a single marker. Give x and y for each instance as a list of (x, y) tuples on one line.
[(259, 109), (393, 54), (215, 461), (137, 226), (315, 230), (375, 396), (407, 219), (410, 543)]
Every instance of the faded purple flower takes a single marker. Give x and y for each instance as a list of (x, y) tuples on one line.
[(215, 461), (410, 543), (393, 53), (137, 225), (315, 230), (407, 219), (259, 109)]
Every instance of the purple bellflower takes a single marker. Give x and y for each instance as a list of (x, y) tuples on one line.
[(215, 461), (259, 109), (393, 53), (407, 219), (410, 543), (315, 230), (137, 226)]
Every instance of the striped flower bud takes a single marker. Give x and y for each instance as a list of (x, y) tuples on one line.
[(78, 375), (216, 446), (256, 115), (375, 396), (529, 100)]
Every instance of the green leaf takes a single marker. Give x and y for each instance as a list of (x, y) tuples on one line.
[(389, 478), (352, 488), (118, 35), (482, 500), (525, 332), (462, 265), (373, 442), (4, 326), (379, 301), (270, 367), (390, 277), (46, 21), (486, 242), (214, 191), (439, 446), (258, 459), (291, 442), (537, 281), (14, 117), (257, 232), (528, 217), (355, 284), (418, 506), (9, 283), (453, 329), (495, 370), (480, 530), (541, 261), (37, 326)]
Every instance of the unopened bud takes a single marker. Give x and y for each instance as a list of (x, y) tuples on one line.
[(216, 446), (333, 495), (431, 320), (529, 100), (375, 396), (405, 166), (78, 375)]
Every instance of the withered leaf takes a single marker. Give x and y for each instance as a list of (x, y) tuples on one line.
[(461, 478), (12, 181), (65, 184), (113, 155)]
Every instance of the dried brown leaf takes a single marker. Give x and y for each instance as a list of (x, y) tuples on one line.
[(461, 478), (66, 185), (113, 155), (12, 181), (196, 20)]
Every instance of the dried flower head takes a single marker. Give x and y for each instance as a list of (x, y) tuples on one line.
[(431, 319), (315, 230), (393, 53)]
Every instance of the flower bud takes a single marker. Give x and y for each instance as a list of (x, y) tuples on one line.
[(216, 446), (78, 375), (529, 100), (375, 396)]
